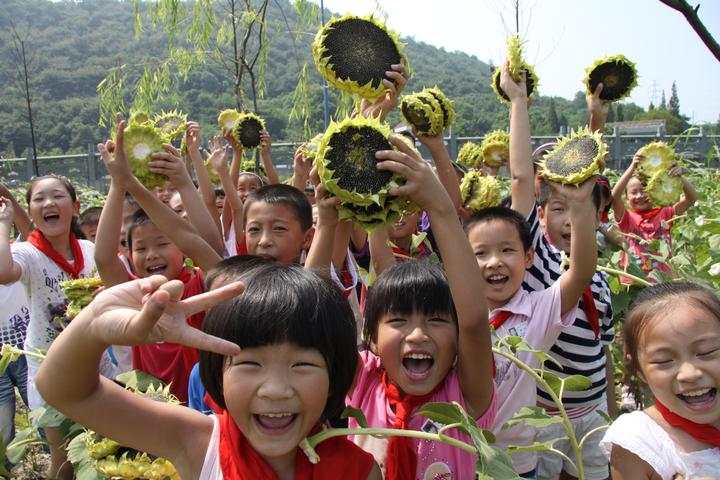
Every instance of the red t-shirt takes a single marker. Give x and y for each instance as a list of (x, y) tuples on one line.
[(649, 225), (171, 362)]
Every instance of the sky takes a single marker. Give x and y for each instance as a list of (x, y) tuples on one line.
[(563, 37)]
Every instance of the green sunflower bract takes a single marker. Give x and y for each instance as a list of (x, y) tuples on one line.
[(140, 142), (659, 157), (171, 125), (79, 293), (423, 111), (228, 119), (617, 74), (517, 67), (495, 148), (353, 53), (479, 191), (575, 158), (663, 189), (470, 155)]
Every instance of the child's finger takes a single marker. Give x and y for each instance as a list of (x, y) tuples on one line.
[(598, 89), (150, 313), (150, 284), (202, 302), (172, 150), (192, 337), (396, 167), (174, 288), (400, 144), (120, 134)]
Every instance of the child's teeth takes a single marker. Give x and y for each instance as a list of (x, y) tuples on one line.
[(696, 393), (418, 356), (277, 415)]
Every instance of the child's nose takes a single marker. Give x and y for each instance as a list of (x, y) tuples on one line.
[(275, 388), (688, 372), (416, 335)]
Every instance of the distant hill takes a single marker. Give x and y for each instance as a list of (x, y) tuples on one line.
[(74, 42)]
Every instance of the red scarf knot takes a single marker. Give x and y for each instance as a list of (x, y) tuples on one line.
[(38, 240), (590, 310), (702, 432)]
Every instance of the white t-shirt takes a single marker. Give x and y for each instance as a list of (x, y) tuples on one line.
[(41, 278), (638, 433), (14, 314)]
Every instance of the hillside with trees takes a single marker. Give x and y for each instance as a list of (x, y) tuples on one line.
[(71, 45)]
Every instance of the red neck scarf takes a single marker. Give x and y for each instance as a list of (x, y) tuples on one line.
[(339, 458), (649, 214), (705, 433), (38, 240), (401, 458), (499, 319), (591, 311)]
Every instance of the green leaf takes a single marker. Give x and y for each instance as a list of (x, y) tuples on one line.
[(533, 416), (604, 416), (47, 417), (18, 446), (357, 414), (535, 447), (444, 413), (494, 463), (576, 383), (552, 380), (139, 381)]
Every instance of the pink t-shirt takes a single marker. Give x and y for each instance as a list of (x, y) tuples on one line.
[(653, 228), (435, 460), (536, 317)]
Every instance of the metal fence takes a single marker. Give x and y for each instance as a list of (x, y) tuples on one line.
[(88, 168)]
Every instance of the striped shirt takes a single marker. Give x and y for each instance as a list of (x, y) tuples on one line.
[(576, 349)]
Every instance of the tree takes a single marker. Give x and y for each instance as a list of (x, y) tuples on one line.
[(674, 103), (717, 126), (673, 125), (663, 104), (651, 106), (562, 120), (552, 118), (619, 113), (691, 15)]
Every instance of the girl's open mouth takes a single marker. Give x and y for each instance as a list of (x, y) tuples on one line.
[(497, 279), (274, 423), (51, 218), (417, 366), (156, 270), (699, 400)]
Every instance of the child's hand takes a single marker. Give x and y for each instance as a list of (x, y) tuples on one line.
[(113, 155), (170, 164), (237, 146), (192, 136), (595, 105), (422, 186), (327, 206), (431, 142), (149, 310), (388, 101), (576, 195), (514, 91), (301, 165), (636, 161), (676, 171), (265, 141), (7, 212), (218, 159)]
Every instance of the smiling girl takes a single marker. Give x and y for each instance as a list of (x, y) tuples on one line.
[(672, 343), (51, 255)]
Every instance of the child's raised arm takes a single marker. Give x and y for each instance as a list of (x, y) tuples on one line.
[(475, 359), (301, 169), (321, 250), (192, 139), (178, 230), (147, 310), (689, 194), (583, 247), (22, 220), (266, 158), (521, 168), (381, 255), (597, 109), (111, 269), (170, 164), (233, 202), (10, 271), (618, 205), (443, 164)]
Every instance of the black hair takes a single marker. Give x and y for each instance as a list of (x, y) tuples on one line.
[(90, 216), (232, 268), (546, 191), (504, 214), (405, 288), (137, 219), (506, 201), (219, 192), (280, 194), (74, 227), (286, 303)]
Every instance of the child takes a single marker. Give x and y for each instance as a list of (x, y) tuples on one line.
[(641, 220), (292, 365), (672, 344), (89, 219), (582, 347), (51, 254), (428, 339)]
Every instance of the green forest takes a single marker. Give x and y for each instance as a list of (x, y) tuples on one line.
[(72, 44)]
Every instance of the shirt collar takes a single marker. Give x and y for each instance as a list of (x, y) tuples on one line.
[(519, 304)]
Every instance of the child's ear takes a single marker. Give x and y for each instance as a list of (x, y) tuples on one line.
[(76, 206), (529, 257), (307, 240)]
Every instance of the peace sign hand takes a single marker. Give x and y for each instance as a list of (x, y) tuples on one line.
[(149, 310)]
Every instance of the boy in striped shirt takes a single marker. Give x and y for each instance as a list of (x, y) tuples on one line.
[(582, 347)]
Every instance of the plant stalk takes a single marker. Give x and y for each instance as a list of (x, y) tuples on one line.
[(614, 271)]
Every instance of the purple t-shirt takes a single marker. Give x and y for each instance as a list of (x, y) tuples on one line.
[(435, 460)]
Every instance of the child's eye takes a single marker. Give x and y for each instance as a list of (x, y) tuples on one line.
[(396, 321), (661, 362), (247, 363), (439, 320), (304, 364), (710, 353), (508, 250), (253, 230), (479, 253), (140, 249)]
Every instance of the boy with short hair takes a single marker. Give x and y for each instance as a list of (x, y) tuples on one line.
[(89, 219), (582, 347), (503, 245)]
